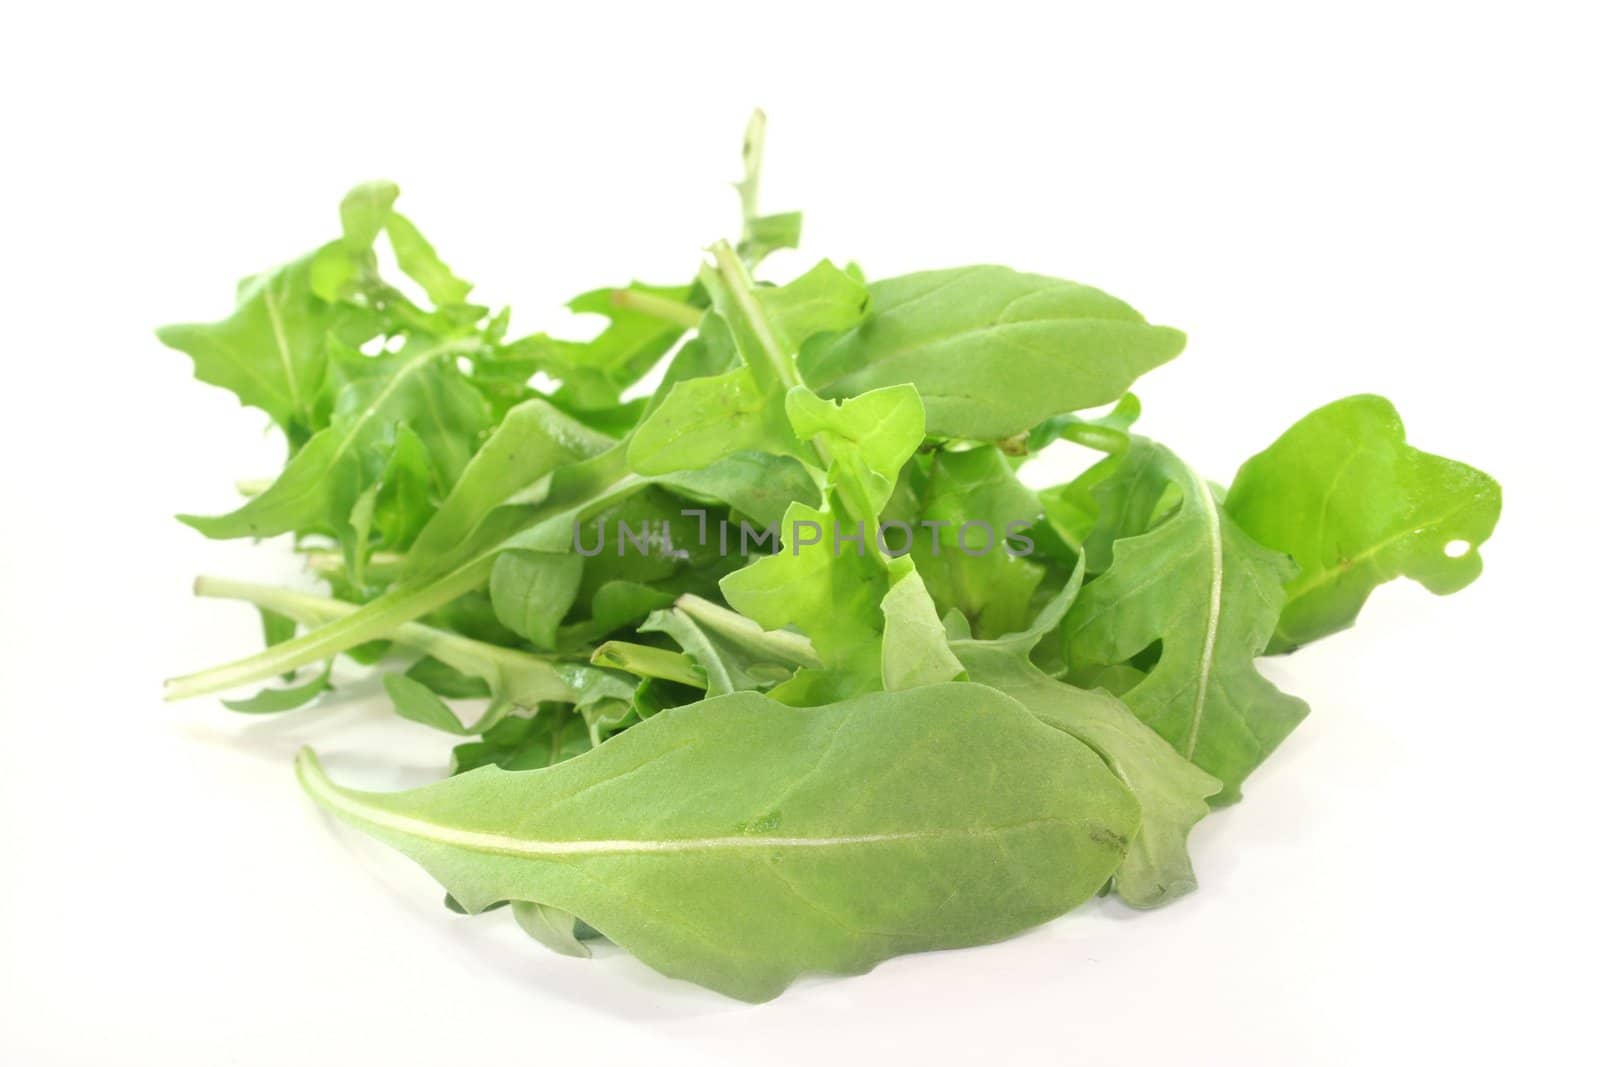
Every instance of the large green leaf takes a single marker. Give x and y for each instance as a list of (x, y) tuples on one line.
[(710, 840), (1355, 506), (991, 350), (1171, 791), (1209, 595)]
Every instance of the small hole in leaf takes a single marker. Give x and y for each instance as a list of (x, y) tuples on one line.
[(1457, 549)]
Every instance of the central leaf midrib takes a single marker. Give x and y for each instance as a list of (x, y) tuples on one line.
[(1208, 648), (504, 844)]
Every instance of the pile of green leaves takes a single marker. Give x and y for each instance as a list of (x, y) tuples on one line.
[(744, 764)]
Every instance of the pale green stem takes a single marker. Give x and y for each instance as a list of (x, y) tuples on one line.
[(381, 617), (658, 307), (755, 143), (310, 609), (325, 562), (772, 357), (368, 623)]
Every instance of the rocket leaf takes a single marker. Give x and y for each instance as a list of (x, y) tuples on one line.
[(1200, 587), (956, 334), (709, 841), (1354, 506)]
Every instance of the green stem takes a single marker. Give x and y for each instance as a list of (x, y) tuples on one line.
[(771, 360), (326, 563), (755, 144), (383, 616), (310, 609), (658, 307), (370, 622)]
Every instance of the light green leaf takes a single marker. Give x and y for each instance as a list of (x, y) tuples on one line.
[(869, 438), (271, 352), (957, 335), (1354, 506), (914, 648), (706, 419), (533, 591), (594, 373), (710, 841), (533, 440), (272, 701), (1210, 595), (1171, 791), (967, 538), (319, 486), (758, 485), (404, 501), (415, 701), (832, 597), (823, 300), (418, 259), (647, 661), (761, 234), (364, 211), (732, 651)]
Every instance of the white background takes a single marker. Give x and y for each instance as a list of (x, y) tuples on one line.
[(1397, 198)]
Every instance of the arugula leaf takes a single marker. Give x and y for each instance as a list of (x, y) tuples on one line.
[(954, 334), (271, 701), (1197, 584), (321, 483), (270, 352), (970, 510), (761, 235), (415, 701), (532, 440), (532, 592), (732, 651), (647, 661), (520, 743), (984, 820), (417, 259), (1172, 792), (704, 419), (594, 373), (1354, 506)]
